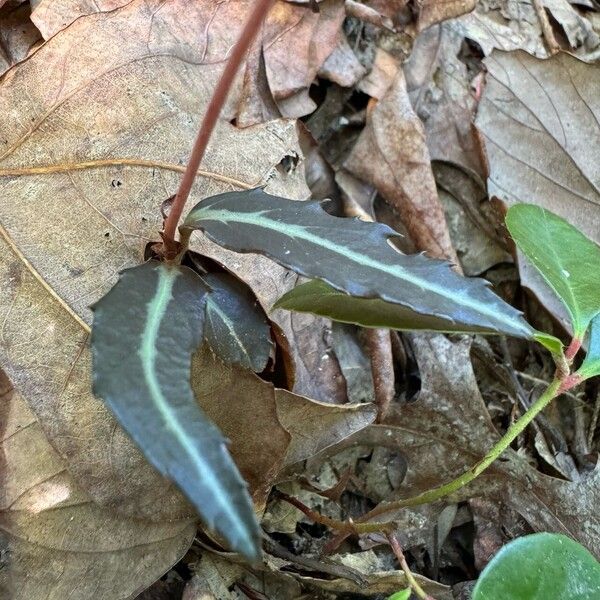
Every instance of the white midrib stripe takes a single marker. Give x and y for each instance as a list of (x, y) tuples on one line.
[(157, 308), (214, 308), (296, 231)]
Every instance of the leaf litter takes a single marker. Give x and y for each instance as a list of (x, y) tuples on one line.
[(390, 99)]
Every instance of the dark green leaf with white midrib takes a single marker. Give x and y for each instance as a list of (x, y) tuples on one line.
[(236, 326), (145, 331), (352, 256), (567, 259), (591, 365)]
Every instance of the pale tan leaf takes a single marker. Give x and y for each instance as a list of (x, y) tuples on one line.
[(55, 541), (540, 122)]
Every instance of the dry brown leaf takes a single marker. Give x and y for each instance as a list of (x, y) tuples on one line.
[(50, 16), (56, 542), (439, 88), (507, 25), (309, 37), (449, 429), (73, 228), (269, 428), (430, 12), (391, 153), (18, 35), (270, 77), (540, 122), (381, 76), (342, 66)]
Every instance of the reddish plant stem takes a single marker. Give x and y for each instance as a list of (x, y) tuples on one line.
[(410, 578), (573, 349), (209, 121)]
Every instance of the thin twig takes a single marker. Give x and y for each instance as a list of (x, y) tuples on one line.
[(209, 121), (412, 582)]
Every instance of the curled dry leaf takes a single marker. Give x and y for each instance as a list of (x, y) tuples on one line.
[(391, 153), (505, 25), (430, 12), (540, 125), (54, 539), (439, 89)]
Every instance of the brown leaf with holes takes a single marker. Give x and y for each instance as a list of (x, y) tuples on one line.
[(391, 153), (54, 539), (540, 123)]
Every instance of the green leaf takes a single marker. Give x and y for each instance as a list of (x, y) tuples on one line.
[(401, 595), (145, 331), (542, 566), (591, 365), (236, 326), (321, 299), (354, 257), (567, 260)]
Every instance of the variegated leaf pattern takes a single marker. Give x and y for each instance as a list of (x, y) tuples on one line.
[(354, 257), (145, 331), (236, 327)]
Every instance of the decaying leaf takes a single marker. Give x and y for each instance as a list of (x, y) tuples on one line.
[(510, 26), (101, 217), (392, 154), (430, 12), (54, 539), (540, 124), (449, 429), (269, 428)]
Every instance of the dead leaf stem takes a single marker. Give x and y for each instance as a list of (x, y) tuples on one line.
[(209, 121), (547, 31)]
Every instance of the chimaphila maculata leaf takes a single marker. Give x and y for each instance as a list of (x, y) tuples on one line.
[(145, 331), (591, 364), (354, 257), (236, 327)]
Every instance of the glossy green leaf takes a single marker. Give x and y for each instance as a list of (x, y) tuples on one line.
[(567, 260), (591, 365), (549, 342), (401, 595), (354, 257), (236, 326), (542, 566), (145, 331)]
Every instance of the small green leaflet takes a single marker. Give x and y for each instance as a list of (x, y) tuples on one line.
[(401, 595), (591, 365), (542, 566), (236, 326), (354, 257), (567, 260), (145, 331)]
